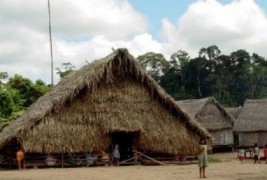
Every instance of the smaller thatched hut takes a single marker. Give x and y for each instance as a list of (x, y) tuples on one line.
[(112, 100), (213, 117), (234, 111), (251, 124)]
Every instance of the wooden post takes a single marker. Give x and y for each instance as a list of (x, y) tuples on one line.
[(62, 161), (138, 154), (129, 159), (135, 157), (151, 158)]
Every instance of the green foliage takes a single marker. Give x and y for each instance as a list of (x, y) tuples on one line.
[(17, 94), (6, 121), (213, 159), (65, 70), (6, 104), (3, 75), (154, 63), (28, 91), (229, 78)]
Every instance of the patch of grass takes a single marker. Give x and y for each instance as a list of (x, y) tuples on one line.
[(214, 159)]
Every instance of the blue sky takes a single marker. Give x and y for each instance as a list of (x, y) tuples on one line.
[(85, 30), (156, 10)]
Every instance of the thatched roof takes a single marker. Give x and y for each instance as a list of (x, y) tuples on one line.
[(252, 117), (234, 111), (208, 112), (113, 94)]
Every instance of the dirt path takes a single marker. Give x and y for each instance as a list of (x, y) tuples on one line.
[(229, 168)]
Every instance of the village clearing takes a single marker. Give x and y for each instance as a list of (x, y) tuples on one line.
[(225, 166)]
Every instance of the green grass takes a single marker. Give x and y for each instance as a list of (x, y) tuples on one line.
[(214, 159)]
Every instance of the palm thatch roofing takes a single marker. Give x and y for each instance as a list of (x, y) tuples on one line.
[(208, 112), (234, 111), (112, 94), (252, 117)]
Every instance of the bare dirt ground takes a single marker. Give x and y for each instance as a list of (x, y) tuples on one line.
[(228, 168)]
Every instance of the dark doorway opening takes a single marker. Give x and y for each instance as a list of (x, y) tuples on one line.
[(126, 142), (236, 139)]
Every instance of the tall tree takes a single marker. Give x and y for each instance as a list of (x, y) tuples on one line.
[(210, 53), (65, 69), (154, 63), (173, 78), (3, 75), (29, 92), (257, 76)]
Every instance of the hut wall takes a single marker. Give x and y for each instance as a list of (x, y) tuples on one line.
[(222, 137), (250, 138), (262, 138)]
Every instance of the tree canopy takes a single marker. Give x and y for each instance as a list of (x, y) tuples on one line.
[(16, 95), (229, 78)]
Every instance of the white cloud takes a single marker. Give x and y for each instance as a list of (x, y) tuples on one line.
[(82, 30), (112, 18), (100, 46), (240, 24), (87, 30)]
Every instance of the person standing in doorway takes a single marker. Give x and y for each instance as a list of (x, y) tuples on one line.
[(116, 155), (203, 158), (20, 156)]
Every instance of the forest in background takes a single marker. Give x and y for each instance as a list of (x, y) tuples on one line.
[(231, 79)]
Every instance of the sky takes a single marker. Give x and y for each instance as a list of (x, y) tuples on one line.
[(85, 30)]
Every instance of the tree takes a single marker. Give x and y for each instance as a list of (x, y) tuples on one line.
[(221, 78), (16, 95), (28, 91), (210, 53), (230, 78), (40, 88), (172, 79), (65, 70), (3, 75), (240, 57), (257, 76), (6, 104), (154, 63)]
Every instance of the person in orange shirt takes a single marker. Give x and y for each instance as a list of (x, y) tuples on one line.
[(20, 158), (265, 153)]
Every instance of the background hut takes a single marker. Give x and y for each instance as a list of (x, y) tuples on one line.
[(213, 117), (251, 124), (112, 100), (234, 111)]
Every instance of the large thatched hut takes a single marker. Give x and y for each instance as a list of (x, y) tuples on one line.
[(213, 117), (251, 124), (112, 100)]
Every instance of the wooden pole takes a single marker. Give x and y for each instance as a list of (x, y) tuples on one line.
[(139, 154), (135, 157), (50, 43), (62, 159), (129, 159), (154, 160)]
